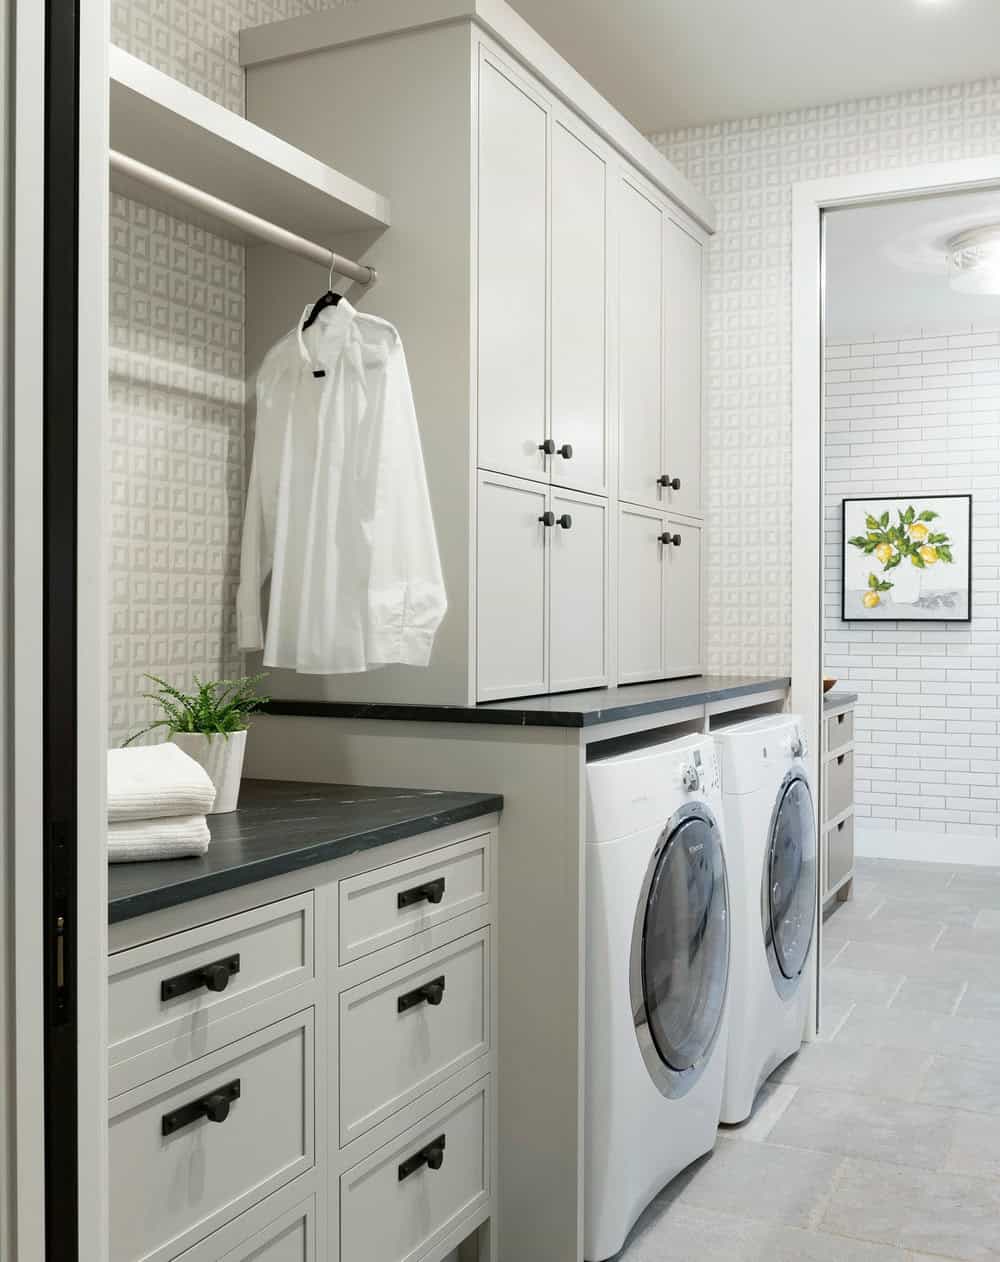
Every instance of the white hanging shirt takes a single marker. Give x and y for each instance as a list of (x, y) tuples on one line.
[(338, 513)]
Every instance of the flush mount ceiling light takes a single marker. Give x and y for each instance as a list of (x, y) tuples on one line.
[(974, 260)]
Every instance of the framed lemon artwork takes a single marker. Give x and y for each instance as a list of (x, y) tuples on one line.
[(907, 559)]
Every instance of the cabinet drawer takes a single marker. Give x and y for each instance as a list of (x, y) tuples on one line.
[(839, 783), (839, 730), (407, 1030), (839, 851), (398, 901), (395, 1205), (259, 1236), (163, 992), (172, 1189)]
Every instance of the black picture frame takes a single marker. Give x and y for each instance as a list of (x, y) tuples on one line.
[(903, 502)]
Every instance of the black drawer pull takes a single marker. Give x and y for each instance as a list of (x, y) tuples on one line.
[(429, 892), (432, 1157), (668, 538), (841, 717), (665, 480), (212, 976), (840, 826), (214, 1106), (840, 758), (430, 992)]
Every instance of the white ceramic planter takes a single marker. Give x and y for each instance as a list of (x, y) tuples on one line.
[(222, 758)]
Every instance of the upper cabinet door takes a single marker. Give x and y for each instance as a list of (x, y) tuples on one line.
[(640, 323), (579, 314), (511, 587), (682, 301), (578, 592), (640, 595), (513, 179), (682, 599)]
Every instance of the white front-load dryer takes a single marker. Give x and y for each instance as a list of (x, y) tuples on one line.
[(658, 948), (771, 830)]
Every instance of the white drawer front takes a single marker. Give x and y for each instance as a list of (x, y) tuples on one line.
[(275, 949), (397, 901), (389, 1215), (839, 730), (287, 1237), (169, 1191), (405, 1031)]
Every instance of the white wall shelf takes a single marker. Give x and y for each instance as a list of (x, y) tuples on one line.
[(167, 125)]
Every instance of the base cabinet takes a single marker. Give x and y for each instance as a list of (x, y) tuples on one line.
[(543, 582), (355, 1121), (837, 825), (660, 596)]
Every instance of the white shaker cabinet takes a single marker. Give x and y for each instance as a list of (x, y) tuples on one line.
[(513, 162), (660, 595), (682, 598), (543, 579), (512, 609), (578, 582), (543, 267), (640, 595), (640, 359), (681, 482), (579, 332)]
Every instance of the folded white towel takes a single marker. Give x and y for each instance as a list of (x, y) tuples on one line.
[(156, 782), (135, 840)]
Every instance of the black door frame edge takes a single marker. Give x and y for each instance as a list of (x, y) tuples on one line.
[(60, 355)]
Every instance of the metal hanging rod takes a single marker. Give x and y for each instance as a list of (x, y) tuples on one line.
[(247, 222)]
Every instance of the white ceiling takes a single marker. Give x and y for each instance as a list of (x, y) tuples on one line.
[(886, 272), (675, 63)]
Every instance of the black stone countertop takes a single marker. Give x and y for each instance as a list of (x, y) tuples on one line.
[(834, 699), (283, 826), (563, 709)]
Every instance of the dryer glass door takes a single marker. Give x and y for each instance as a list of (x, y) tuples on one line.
[(685, 945), (791, 893)]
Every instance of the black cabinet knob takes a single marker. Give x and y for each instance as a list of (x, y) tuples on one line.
[(668, 538), (566, 451), (673, 484), (217, 1107), (565, 521), (217, 977), (549, 446), (548, 518)]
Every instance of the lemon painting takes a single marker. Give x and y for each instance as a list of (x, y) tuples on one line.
[(907, 559)]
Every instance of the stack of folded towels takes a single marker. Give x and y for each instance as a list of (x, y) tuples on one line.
[(157, 801)]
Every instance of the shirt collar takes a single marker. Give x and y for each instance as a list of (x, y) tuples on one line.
[(325, 336)]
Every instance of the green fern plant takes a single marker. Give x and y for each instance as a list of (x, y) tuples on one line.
[(217, 708)]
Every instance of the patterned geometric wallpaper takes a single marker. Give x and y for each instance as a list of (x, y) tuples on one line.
[(177, 388), (748, 167)]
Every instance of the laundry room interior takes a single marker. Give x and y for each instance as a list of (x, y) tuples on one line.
[(503, 702)]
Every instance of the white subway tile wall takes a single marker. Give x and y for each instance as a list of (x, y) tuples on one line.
[(748, 168), (908, 416), (177, 388)]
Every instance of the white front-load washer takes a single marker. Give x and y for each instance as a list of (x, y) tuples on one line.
[(771, 830), (658, 947)]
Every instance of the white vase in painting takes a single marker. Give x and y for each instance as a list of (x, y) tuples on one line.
[(906, 582), (222, 758)]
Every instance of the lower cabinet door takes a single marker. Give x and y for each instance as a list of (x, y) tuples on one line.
[(411, 1193), (839, 851), (578, 588), (511, 579), (640, 594), (682, 598)]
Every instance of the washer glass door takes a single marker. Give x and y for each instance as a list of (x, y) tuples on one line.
[(791, 879), (684, 951)]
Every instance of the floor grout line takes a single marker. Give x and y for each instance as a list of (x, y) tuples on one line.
[(961, 995), (841, 1023), (876, 909), (834, 958), (899, 987), (944, 929)]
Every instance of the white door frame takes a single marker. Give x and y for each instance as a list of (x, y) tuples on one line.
[(809, 200)]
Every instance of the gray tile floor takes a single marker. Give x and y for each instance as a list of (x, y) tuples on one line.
[(880, 1142)]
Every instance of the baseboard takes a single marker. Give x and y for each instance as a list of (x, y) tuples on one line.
[(874, 842)]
